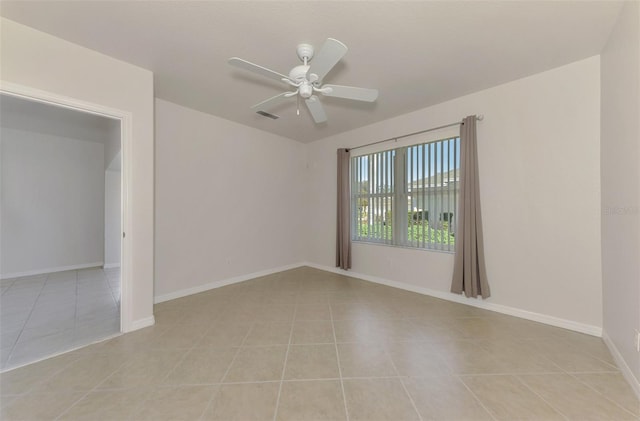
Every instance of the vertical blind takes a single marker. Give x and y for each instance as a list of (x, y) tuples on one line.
[(407, 196)]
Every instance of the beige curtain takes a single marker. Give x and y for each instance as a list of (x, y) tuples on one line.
[(469, 272), (343, 224)]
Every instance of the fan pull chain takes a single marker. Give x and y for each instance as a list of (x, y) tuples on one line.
[(298, 105)]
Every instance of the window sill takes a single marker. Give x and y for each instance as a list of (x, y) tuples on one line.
[(372, 243)]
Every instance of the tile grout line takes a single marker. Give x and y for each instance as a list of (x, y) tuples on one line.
[(601, 394), (286, 357), (541, 397), (89, 391), (27, 320), (476, 398), (404, 387), (208, 405), (335, 338)]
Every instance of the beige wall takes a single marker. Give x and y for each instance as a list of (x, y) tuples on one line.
[(540, 184), (229, 200), (40, 61), (620, 177)]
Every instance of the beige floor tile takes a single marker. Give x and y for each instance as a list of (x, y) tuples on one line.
[(312, 332), (138, 341), (257, 364), (38, 406), (614, 387), (244, 402), (508, 399), (180, 337), (201, 366), (363, 331), (434, 333), (470, 359), (276, 313), (394, 338), (311, 362), (365, 360), (312, 312), (378, 399), (575, 362), (416, 359), (481, 328), (354, 311), (310, 297), (311, 400), (276, 333), (23, 379), (143, 370), (106, 405), (225, 334), (574, 399), (441, 398), (175, 403), (83, 374)]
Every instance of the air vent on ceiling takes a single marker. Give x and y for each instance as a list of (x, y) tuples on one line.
[(266, 114)]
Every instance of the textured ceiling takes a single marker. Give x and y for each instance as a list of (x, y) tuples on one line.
[(416, 53)]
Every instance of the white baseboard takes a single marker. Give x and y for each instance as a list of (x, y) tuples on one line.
[(111, 265), (142, 323), (221, 283), (511, 311), (51, 270), (622, 364)]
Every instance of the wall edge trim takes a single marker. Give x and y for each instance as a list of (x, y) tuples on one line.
[(220, 283), (498, 308), (50, 270), (141, 323), (622, 364)]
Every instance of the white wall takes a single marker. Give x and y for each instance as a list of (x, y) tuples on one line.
[(620, 177), (36, 60), (229, 200), (52, 206), (540, 186), (112, 216), (113, 149)]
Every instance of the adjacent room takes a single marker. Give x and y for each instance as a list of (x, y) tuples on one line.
[(328, 210), (61, 229)]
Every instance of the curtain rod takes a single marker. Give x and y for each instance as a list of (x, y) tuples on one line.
[(478, 117)]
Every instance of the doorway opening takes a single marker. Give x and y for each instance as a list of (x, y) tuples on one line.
[(61, 228)]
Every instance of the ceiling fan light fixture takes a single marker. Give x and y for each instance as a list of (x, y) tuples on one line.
[(305, 90), (308, 79)]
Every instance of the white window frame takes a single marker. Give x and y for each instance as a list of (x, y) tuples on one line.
[(387, 189)]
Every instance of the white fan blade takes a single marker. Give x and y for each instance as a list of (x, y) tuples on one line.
[(316, 109), (247, 65), (329, 55), (272, 102), (350, 92)]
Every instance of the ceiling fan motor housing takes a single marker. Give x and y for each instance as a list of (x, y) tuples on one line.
[(299, 73)]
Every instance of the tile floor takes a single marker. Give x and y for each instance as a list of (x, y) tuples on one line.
[(47, 314), (311, 345)]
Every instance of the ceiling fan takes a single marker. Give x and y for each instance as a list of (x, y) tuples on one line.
[(307, 79)]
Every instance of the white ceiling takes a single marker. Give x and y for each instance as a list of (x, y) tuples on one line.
[(416, 53), (22, 114)]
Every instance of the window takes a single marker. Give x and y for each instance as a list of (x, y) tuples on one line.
[(407, 196)]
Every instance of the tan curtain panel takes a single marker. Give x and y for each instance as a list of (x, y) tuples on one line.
[(469, 272), (343, 223)]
